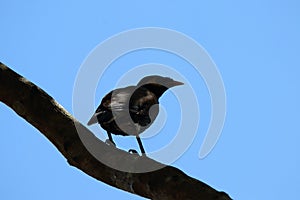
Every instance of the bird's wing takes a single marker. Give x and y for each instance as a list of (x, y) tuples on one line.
[(140, 104), (114, 104)]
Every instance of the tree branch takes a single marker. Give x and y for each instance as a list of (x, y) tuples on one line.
[(53, 121)]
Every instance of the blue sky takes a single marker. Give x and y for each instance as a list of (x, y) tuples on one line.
[(255, 45)]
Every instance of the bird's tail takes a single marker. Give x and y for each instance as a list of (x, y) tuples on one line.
[(93, 120)]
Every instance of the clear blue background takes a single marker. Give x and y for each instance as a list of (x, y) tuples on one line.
[(255, 45)]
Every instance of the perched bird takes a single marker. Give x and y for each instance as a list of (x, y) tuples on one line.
[(131, 110)]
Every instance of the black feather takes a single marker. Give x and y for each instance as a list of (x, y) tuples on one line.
[(126, 111)]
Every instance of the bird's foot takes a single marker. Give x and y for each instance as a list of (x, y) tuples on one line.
[(109, 142), (132, 151)]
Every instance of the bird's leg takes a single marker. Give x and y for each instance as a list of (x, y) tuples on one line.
[(140, 145), (110, 139)]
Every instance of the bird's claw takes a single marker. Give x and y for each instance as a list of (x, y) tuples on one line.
[(132, 151)]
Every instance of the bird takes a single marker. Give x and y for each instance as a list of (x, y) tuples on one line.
[(131, 110)]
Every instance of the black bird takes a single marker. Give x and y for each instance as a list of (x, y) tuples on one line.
[(130, 110)]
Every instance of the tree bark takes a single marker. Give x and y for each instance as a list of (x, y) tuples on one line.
[(61, 128)]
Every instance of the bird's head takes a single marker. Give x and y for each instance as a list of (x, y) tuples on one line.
[(158, 84)]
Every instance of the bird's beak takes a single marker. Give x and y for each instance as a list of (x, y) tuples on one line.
[(175, 83)]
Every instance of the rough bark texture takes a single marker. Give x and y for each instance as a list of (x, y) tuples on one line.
[(53, 121)]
